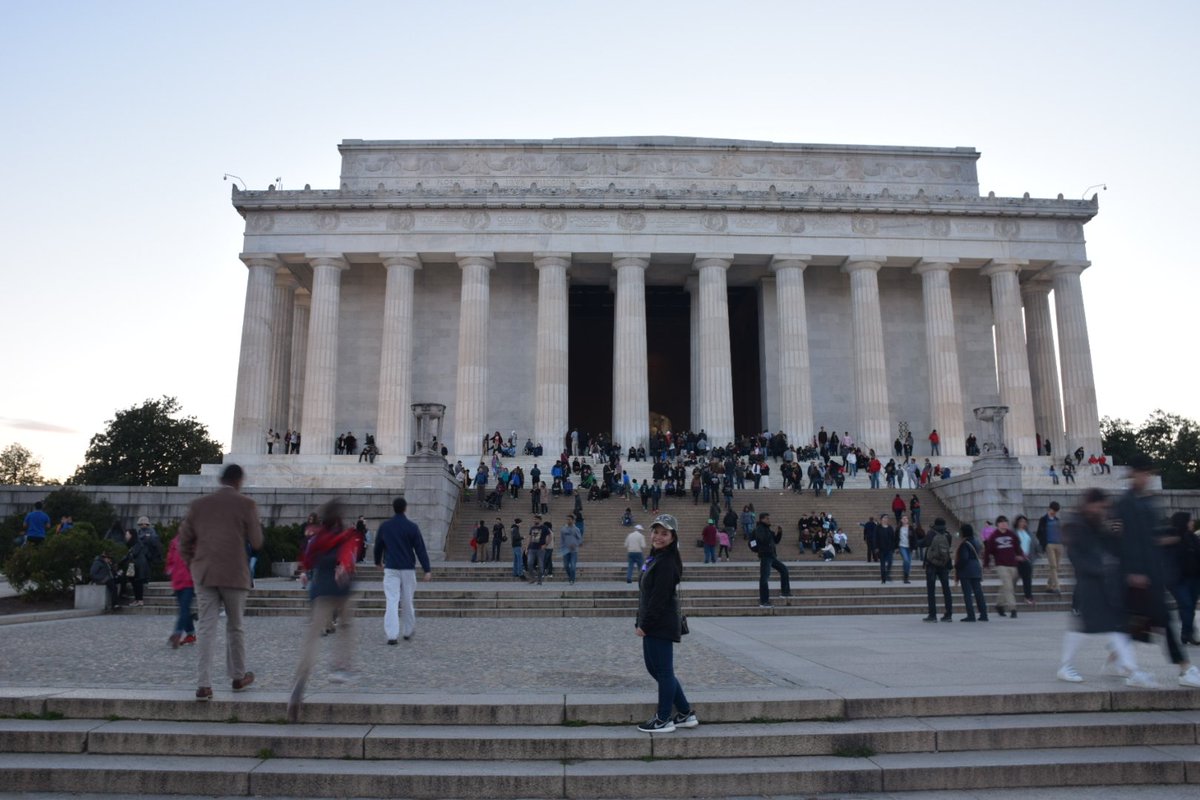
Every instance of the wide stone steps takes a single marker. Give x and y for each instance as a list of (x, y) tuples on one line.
[(750, 742)]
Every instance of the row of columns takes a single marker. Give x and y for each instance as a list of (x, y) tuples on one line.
[(288, 365)]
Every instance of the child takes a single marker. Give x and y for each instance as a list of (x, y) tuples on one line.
[(181, 583)]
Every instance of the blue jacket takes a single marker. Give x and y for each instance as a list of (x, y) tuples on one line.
[(399, 545)]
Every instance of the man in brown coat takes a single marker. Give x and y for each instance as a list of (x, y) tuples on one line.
[(212, 541)]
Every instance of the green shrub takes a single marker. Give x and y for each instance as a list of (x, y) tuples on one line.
[(10, 535), (69, 501), (52, 569), (280, 543)]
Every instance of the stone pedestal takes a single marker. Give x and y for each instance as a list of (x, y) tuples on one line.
[(432, 494), (91, 596), (992, 487)]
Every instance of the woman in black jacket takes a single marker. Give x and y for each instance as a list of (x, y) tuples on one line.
[(659, 625)]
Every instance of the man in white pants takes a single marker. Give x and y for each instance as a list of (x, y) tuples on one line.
[(398, 548)]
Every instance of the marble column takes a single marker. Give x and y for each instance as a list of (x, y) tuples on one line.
[(1080, 410), (946, 414), (1012, 358), (394, 424), (1043, 366), (320, 371), (281, 351), (551, 359), (631, 391), (716, 375), (299, 357), (692, 287), (870, 366), (252, 401), (472, 385), (795, 371)]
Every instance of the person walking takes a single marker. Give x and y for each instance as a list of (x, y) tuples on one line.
[(570, 539), (1049, 535), (1141, 563), (968, 570), (885, 545), (709, 536), (635, 549), (398, 547), (937, 569), (330, 558), (1031, 550), (213, 540), (660, 626), (185, 591), (1182, 556), (518, 553), (1004, 548), (136, 558), (537, 536), (763, 542), (1093, 544), (906, 540)]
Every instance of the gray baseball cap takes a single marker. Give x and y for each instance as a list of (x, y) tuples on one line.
[(666, 521)]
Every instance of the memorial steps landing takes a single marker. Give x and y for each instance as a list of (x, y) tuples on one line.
[(771, 742)]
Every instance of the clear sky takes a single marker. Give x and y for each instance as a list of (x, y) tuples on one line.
[(120, 278)]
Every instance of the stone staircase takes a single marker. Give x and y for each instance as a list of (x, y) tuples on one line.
[(767, 742), (604, 536)]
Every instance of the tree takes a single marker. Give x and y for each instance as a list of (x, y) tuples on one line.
[(18, 467), (147, 445), (1172, 442)]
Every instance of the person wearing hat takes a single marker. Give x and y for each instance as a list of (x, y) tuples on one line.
[(148, 536), (635, 550), (659, 625), (1144, 571)]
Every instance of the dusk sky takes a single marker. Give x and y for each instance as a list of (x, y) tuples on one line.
[(121, 275)]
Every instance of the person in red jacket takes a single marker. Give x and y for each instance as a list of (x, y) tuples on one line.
[(1004, 547), (935, 443), (873, 468), (710, 539), (330, 555), (185, 590), (898, 507)]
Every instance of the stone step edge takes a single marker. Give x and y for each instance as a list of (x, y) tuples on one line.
[(742, 740), (1166, 765), (715, 706)]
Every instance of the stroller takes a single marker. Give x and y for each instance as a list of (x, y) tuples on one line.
[(493, 501)]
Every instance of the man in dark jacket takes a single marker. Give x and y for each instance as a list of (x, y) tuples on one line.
[(398, 547), (886, 544), (768, 561), (939, 548)]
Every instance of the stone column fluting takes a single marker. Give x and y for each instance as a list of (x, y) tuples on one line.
[(320, 372), (1080, 410), (1043, 366), (1012, 358), (252, 403), (870, 366), (472, 384), (551, 359), (692, 287), (946, 414), (716, 375), (795, 370), (299, 357), (394, 422), (281, 351), (631, 392)]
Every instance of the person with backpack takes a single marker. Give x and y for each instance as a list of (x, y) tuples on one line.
[(937, 568), (762, 542), (968, 570)]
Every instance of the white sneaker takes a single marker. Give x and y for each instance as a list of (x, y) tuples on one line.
[(1141, 680), (1069, 675), (342, 676), (1191, 677)]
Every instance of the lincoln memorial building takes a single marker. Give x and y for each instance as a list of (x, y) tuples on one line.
[(618, 285)]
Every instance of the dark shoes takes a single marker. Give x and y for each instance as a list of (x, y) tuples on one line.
[(244, 683), (947, 618), (1001, 612), (930, 618), (204, 693), (391, 641), (967, 619)]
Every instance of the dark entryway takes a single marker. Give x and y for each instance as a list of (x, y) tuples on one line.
[(668, 310)]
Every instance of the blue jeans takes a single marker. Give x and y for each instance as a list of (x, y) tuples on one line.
[(906, 558), (972, 589), (1185, 593), (569, 559), (518, 563), (885, 565), (183, 599), (710, 554), (765, 565), (633, 560), (659, 655)]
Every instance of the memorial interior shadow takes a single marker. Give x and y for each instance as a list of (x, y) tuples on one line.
[(668, 309)]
